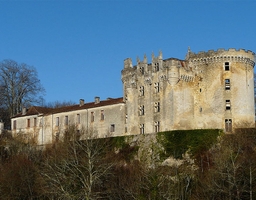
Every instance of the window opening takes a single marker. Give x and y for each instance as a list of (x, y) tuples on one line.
[(156, 85), (157, 106), (112, 128), (157, 126), (57, 121), (141, 128), (141, 90), (102, 115), (35, 120), (228, 105), (228, 125), (227, 84), (14, 124), (92, 116), (66, 120), (141, 110), (78, 118), (142, 70), (28, 123), (156, 67), (227, 67)]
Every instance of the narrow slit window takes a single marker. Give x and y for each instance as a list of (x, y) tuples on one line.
[(92, 116), (78, 118), (102, 116), (57, 121), (14, 125)]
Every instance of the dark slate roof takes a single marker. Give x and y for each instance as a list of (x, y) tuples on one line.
[(35, 110)]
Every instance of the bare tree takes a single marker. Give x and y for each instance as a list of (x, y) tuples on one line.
[(19, 86), (76, 169)]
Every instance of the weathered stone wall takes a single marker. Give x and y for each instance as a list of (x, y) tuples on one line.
[(192, 93)]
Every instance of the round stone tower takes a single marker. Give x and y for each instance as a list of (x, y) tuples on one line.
[(226, 85)]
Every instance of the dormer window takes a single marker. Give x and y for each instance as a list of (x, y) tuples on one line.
[(227, 66)]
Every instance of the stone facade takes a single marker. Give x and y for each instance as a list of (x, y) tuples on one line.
[(46, 125), (213, 89)]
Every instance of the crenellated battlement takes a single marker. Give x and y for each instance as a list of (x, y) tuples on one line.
[(222, 55)]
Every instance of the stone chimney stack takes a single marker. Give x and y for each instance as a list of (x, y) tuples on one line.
[(81, 102), (24, 111), (1, 126), (97, 100)]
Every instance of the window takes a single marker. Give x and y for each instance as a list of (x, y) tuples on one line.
[(57, 121), (35, 120), (228, 125), (227, 84), (78, 118), (125, 129), (141, 110), (141, 128), (157, 106), (126, 118), (142, 70), (141, 91), (227, 67), (14, 125), (28, 123), (156, 86), (92, 116), (200, 109), (228, 105), (66, 120), (156, 67), (112, 128), (157, 126), (102, 115)]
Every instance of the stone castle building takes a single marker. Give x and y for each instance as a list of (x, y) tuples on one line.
[(207, 90)]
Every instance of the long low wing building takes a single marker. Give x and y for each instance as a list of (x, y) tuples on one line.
[(206, 90), (46, 125)]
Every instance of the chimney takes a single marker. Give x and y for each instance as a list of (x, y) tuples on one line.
[(81, 102), (1, 126), (24, 111), (97, 100)]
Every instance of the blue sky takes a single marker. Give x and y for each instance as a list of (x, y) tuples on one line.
[(78, 47)]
